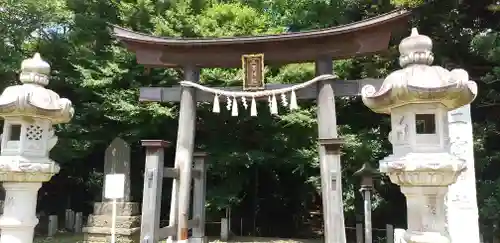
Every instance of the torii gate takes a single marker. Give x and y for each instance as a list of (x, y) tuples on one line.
[(321, 46)]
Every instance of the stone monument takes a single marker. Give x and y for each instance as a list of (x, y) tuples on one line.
[(128, 221), (30, 111), (461, 205), (418, 98)]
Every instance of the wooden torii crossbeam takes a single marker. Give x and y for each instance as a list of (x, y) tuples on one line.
[(319, 46)]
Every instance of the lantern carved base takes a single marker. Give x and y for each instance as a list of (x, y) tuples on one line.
[(426, 214), (424, 179), (423, 169), (22, 177), (18, 168), (425, 237)]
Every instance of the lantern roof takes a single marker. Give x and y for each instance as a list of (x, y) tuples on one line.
[(419, 82), (31, 98), (366, 170)]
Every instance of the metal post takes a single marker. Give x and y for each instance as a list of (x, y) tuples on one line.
[(359, 232), (367, 173), (367, 202)]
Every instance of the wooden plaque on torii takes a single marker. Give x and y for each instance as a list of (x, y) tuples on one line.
[(253, 72)]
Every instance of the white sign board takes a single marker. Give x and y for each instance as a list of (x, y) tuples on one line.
[(114, 186)]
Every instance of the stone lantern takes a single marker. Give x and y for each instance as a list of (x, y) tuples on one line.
[(29, 111), (418, 98), (367, 173)]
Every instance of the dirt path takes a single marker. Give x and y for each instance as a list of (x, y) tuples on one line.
[(263, 239), (71, 238)]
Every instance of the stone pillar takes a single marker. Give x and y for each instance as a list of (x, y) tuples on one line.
[(152, 189), (224, 229), (359, 233), (424, 181), (461, 198), (29, 111), (389, 229), (53, 226), (70, 220), (77, 228), (426, 214), (199, 195), (19, 215)]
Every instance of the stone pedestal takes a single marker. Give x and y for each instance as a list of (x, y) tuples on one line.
[(424, 179), (19, 215), (426, 214), (198, 239), (128, 223)]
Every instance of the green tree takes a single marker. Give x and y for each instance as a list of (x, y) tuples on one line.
[(267, 164)]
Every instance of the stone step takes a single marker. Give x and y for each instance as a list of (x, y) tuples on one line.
[(122, 208), (96, 237), (122, 222), (107, 230)]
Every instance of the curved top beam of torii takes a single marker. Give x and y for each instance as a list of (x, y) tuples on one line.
[(345, 41)]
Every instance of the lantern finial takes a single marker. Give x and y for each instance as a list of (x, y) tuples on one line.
[(415, 49), (35, 71)]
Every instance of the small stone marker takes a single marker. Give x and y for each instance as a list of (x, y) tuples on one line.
[(199, 195), (359, 233), (66, 217), (224, 229), (117, 161), (2, 202), (389, 228), (78, 222), (69, 219), (53, 225)]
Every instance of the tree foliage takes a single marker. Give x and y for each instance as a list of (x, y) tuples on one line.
[(265, 168)]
